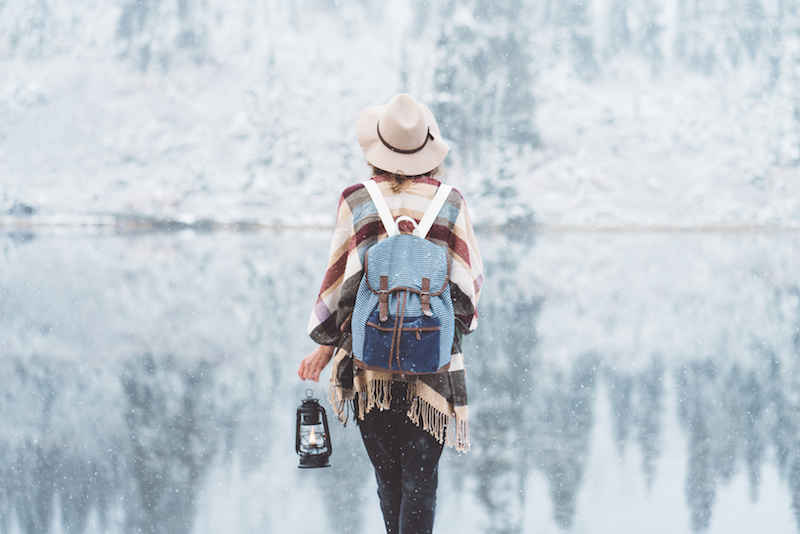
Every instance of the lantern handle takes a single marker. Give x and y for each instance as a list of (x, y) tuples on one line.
[(309, 393)]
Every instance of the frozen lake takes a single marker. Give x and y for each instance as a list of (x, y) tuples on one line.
[(619, 382)]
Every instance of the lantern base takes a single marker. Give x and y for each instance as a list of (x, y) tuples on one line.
[(320, 460)]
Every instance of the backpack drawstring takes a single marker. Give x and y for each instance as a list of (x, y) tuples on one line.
[(394, 352)]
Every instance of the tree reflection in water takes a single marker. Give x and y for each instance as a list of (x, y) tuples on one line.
[(148, 384), (171, 418)]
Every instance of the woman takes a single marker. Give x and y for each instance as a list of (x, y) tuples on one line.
[(405, 421)]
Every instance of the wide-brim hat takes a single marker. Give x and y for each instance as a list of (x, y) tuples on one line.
[(401, 137)]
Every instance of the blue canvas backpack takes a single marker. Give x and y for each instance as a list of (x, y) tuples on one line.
[(403, 317)]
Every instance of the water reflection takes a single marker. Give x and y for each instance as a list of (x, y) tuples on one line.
[(618, 383)]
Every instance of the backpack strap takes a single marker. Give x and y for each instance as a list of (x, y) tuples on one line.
[(383, 299), (383, 209), (426, 223)]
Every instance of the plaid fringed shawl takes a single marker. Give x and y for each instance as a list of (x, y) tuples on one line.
[(438, 401)]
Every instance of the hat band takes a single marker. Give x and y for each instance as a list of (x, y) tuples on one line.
[(399, 150)]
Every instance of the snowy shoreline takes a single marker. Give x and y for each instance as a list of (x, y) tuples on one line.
[(136, 223)]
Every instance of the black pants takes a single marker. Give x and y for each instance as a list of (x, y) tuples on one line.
[(406, 460)]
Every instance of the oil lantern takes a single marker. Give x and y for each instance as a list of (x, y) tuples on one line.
[(312, 439)]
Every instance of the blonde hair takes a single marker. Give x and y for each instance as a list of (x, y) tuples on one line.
[(399, 181)]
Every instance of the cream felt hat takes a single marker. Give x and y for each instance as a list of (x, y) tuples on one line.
[(401, 137)]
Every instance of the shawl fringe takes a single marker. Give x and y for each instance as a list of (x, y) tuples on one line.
[(448, 424), (372, 389)]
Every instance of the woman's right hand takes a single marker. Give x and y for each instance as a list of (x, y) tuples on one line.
[(312, 365)]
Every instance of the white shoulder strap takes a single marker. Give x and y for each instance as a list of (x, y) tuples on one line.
[(383, 209), (428, 218), (433, 210)]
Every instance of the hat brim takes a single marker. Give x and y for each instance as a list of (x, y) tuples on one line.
[(379, 155)]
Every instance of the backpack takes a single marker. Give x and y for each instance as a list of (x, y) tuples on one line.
[(403, 316)]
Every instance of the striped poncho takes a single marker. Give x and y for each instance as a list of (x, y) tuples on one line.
[(438, 401)]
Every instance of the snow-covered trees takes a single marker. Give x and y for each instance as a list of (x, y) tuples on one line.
[(176, 107), (152, 32), (484, 79)]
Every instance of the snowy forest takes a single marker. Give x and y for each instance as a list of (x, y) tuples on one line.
[(560, 112)]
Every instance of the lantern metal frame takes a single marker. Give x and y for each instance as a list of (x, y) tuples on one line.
[(311, 414)]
